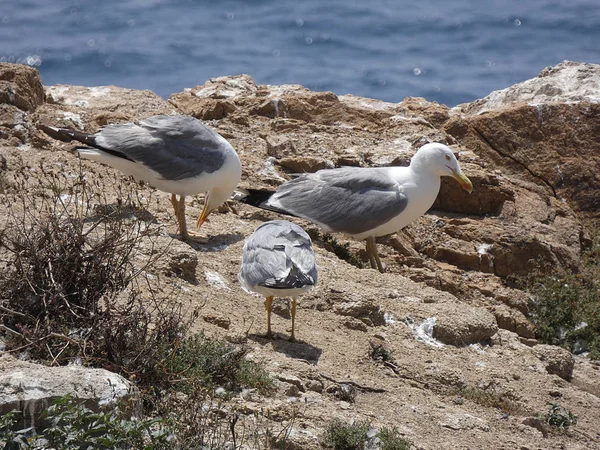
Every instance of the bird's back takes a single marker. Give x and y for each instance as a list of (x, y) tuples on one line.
[(278, 259)]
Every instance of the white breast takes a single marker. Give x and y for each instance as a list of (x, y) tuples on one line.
[(421, 190)]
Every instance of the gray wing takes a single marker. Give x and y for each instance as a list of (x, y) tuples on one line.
[(176, 147), (278, 255), (349, 200)]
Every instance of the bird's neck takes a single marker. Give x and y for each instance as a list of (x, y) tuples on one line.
[(423, 175), (420, 164), (232, 176)]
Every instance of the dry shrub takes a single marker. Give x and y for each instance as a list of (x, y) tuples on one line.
[(74, 264), (78, 287), (205, 419)]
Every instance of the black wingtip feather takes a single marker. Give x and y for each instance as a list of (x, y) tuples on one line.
[(68, 135), (256, 197), (295, 279), (259, 198)]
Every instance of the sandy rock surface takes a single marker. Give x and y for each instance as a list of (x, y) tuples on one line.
[(467, 372)]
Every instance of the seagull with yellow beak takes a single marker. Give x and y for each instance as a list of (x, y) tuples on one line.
[(366, 202), (175, 154)]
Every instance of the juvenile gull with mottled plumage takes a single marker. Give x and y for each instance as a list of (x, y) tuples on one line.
[(366, 202), (175, 154), (278, 261)]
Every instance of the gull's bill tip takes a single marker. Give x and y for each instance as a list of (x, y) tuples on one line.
[(464, 181), (203, 216)]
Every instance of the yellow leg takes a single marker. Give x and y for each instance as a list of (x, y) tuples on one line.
[(268, 305), (175, 204), (370, 255), (179, 207), (374, 255), (181, 218), (293, 337)]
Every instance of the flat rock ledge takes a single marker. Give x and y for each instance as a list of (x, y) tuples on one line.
[(31, 388)]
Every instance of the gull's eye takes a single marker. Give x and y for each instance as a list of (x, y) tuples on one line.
[(448, 157)]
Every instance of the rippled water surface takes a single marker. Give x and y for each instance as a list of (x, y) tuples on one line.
[(448, 51)]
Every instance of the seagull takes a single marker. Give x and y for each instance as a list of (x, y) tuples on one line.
[(278, 261), (365, 202), (175, 154)]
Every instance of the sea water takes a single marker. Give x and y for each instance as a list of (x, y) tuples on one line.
[(451, 51)]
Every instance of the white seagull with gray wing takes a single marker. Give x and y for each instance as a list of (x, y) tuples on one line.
[(278, 261), (366, 202), (175, 154)]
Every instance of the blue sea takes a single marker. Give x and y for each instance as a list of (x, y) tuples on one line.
[(450, 51)]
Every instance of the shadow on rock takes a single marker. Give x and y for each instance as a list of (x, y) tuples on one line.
[(216, 243), (298, 349), (117, 211)]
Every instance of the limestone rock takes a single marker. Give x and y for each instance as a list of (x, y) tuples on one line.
[(305, 164), (367, 311), (557, 360), (31, 388), (291, 379), (214, 109), (543, 129), (488, 197), (20, 86), (88, 108), (567, 82), (280, 146), (513, 320), (464, 422), (183, 262), (531, 166), (464, 325), (220, 321)]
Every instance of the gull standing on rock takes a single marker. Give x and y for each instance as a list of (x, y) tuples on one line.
[(175, 154), (366, 202), (278, 261)]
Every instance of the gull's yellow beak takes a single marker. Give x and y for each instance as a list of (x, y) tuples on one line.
[(203, 215), (463, 180)]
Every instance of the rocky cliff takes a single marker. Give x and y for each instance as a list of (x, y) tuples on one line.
[(533, 154)]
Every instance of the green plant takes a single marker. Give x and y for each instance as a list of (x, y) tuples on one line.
[(391, 440), (490, 398), (565, 306), (331, 244), (73, 426), (12, 440), (560, 417), (342, 436), (210, 363), (379, 352)]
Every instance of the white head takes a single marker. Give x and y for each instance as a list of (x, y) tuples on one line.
[(439, 158)]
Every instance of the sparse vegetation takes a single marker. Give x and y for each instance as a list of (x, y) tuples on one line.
[(72, 288), (77, 287), (202, 361), (490, 398), (342, 436), (565, 307), (331, 244), (72, 426), (392, 440), (560, 417), (379, 352)]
